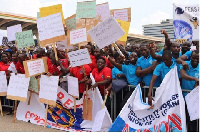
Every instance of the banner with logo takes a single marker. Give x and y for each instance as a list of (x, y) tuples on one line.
[(186, 22), (167, 115)]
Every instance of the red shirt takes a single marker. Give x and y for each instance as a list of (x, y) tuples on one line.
[(54, 68), (20, 67), (101, 76), (4, 67), (78, 73), (94, 62)]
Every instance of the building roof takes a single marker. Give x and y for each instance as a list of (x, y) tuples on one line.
[(10, 19), (139, 39)]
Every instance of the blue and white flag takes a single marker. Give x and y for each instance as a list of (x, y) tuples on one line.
[(167, 115)]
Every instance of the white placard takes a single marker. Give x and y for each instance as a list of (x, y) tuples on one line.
[(12, 68), (12, 30), (35, 67), (98, 121), (61, 45), (73, 88), (103, 11), (78, 36), (1, 37), (18, 85), (50, 26), (192, 101), (48, 87), (121, 14), (3, 82), (106, 32), (79, 57)]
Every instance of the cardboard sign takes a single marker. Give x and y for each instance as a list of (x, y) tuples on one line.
[(89, 24), (24, 39), (46, 11), (1, 38), (48, 89), (125, 26), (3, 83), (73, 88), (50, 29), (86, 9), (76, 36), (35, 67), (192, 101), (79, 57), (70, 22), (18, 87), (122, 14), (62, 45), (12, 30), (106, 32), (103, 11), (38, 15)]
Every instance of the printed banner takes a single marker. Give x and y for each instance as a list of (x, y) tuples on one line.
[(186, 22), (167, 115)]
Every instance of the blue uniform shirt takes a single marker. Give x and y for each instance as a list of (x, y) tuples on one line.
[(116, 71), (161, 70), (188, 55), (145, 63), (129, 71), (194, 72)]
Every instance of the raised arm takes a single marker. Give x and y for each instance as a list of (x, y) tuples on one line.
[(117, 65), (142, 72)]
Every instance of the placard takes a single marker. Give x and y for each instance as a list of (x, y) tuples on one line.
[(50, 29), (12, 30), (76, 36), (62, 45), (70, 22), (106, 32), (38, 15), (86, 9), (18, 87), (46, 11), (1, 38), (192, 101), (3, 83), (89, 24), (122, 14), (48, 89), (79, 57), (103, 11), (35, 67), (73, 87), (24, 39), (125, 26)]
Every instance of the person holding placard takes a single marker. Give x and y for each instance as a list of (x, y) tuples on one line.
[(90, 50), (4, 63), (19, 65), (78, 72)]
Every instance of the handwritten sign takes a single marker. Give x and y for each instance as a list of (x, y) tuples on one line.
[(122, 14), (24, 39), (33, 85), (79, 57), (192, 101), (18, 87), (38, 15), (86, 9), (46, 11), (125, 26), (73, 88), (103, 11), (35, 67), (106, 32), (50, 29), (77, 36), (12, 30), (48, 89), (3, 83), (70, 22)]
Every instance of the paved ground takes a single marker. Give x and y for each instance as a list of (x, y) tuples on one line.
[(7, 125)]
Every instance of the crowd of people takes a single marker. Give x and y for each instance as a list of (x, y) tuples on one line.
[(142, 64)]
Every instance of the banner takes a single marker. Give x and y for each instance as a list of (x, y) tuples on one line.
[(167, 115), (186, 22)]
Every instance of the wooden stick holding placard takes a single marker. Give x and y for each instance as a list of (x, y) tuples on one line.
[(55, 51), (104, 102), (1, 108), (29, 100), (27, 52), (45, 122), (15, 111)]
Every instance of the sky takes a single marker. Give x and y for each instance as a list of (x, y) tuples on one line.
[(143, 12)]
